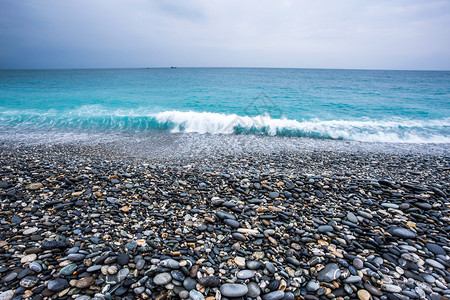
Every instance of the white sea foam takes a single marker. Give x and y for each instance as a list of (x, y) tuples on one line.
[(396, 130)]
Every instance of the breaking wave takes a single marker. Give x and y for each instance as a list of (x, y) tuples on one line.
[(398, 130)]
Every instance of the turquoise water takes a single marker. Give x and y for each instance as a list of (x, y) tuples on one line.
[(361, 105)]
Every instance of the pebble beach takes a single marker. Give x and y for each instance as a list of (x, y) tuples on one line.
[(86, 222)]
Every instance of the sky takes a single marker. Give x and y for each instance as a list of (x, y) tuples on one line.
[(348, 34)]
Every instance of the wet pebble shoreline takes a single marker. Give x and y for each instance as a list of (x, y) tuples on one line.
[(82, 223)]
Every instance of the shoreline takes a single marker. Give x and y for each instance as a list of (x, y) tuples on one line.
[(84, 221)]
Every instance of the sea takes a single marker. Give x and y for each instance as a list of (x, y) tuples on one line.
[(268, 107)]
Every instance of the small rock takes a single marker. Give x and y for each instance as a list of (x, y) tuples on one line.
[(162, 278), (233, 290)]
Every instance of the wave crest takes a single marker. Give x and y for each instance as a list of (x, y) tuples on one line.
[(393, 130)]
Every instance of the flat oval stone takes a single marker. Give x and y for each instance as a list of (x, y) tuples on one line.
[(233, 290), (245, 274), (28, 258), (122, 274), (31, 230), (94, 268), (189, 283), (358, 263), (225, 215), (352, 218), (170, 263), (352, 279), (253, 264), (253, 290), (293, 261), (329, 273), (232, 223), (196, 295), (7, 295), (363, 295), (270, 267), (84, 282), (238, 236), (401, 232), (274, 195), (373, 290), (391, 288), (123, 259), (275, 295), (29, 281), (68, 270), (76, 257), (313, 285), (162, 278), (436, 249), (35, 266), (177, 275), (57, 285), (435, 264), (209, 281), (325, 228)]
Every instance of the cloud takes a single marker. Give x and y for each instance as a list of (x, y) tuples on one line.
[(138, 33)]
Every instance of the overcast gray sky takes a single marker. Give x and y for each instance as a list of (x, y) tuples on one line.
[(394, 34)]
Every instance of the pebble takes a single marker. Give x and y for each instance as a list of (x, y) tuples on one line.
[(84, 282), (68, 270), (363, 295), (276, 295), (401, 233), (57, 285), (253, 290), (245, 274), (391, 288), (162, 278), (233, 290), (195, 295), (329, 273), (7, 295)]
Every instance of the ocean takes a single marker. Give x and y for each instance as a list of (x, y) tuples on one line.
[(373, 106)]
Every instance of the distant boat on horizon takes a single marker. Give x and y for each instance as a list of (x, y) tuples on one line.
[(173, 67)]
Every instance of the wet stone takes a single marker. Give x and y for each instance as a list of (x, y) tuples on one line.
[(402, 233), (436, 249), (49, 245), (57, 285), (84, 282), (162, 278), (253, 265), (312, 286), (196, 295), (253, 290), (270, 267), (358, 263), (276, 295), (245, 274), (29, 282), (7, 295), (35, 266), (209, 281), (233, 290), (68, 270), (325, 228), (123, 259), (329, 273), (76, 257), (391, 288), (177, 275), (189, 283)]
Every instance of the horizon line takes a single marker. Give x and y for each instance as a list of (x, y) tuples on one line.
[(192, 67)]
